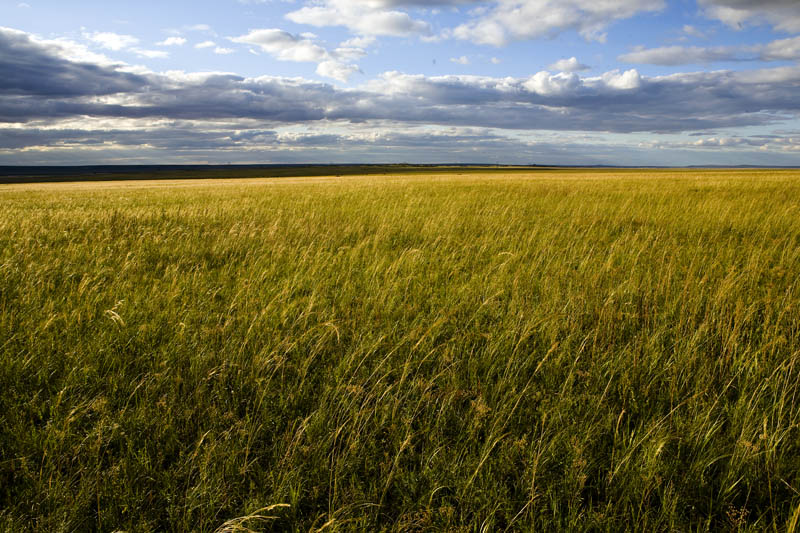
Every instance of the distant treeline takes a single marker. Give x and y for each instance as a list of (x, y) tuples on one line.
[(31, 174)]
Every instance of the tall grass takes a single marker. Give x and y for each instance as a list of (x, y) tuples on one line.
[(553, 351)]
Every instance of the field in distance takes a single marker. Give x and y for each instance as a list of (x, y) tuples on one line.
[(523, 351)]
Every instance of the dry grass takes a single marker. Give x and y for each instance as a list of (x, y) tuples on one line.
[(546, 351)]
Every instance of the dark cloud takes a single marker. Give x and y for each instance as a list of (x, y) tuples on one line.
[(784, 15), (34, 69)]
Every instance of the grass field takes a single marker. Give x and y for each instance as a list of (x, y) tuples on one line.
[(572, 350)]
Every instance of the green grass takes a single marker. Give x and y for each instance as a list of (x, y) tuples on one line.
[(554, 351)]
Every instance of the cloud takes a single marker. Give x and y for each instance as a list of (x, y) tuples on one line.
[(150, 54), (680, 55), (569, 65), (353, 49), (366, 18), (112, 41), (463, 60), (223, 51), (336, 70), (779, 50), (517, 20), (205, 44), (495, 22), (693, 31), (44, 90), (773, 143), (172, 41), (784, 15), (285, 46), (35, 69)]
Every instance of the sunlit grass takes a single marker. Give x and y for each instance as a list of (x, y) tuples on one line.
[(547, 351)]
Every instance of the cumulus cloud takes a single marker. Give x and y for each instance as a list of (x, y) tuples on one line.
[(463, 60), (779, 50), (205, 44), (569, 65), (784, 15)]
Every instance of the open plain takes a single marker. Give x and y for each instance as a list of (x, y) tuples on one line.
[(571, 350)]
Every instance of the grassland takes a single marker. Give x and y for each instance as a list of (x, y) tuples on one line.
[(571, 351)]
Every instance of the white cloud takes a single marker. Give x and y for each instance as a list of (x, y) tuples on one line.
[(494, 22), (463, 60), (223, 51), (112, 41), (548, 84), (366, 18), (516, 20), (569, 65), (623, 81), (496, 60), (336, 70), (172, 41), (285, 46), (363, 41), (206, 44)]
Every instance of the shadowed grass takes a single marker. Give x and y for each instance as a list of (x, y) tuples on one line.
[(565, 351)]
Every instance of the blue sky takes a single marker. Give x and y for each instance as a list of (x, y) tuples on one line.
[(619, 82)]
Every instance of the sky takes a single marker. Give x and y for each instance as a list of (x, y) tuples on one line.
[(569, 82)]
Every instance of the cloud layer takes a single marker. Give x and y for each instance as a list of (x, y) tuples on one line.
[(779, 50), (57, 97), (43, 85)]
